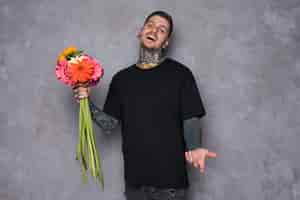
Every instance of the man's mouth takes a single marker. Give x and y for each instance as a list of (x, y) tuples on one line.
[(152, 38)]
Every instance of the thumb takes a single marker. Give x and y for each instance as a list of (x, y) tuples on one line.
[(211, 154)]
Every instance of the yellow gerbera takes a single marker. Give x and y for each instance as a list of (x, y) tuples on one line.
[(67, 51)]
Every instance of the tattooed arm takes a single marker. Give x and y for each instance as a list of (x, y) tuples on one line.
[(195, 153), (106, 122), (192, 134)]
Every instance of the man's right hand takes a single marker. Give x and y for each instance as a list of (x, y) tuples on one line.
[(81, 91)]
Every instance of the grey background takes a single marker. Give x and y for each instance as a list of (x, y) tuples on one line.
[(243, 53)]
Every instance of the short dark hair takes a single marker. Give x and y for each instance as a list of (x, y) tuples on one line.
[(164, 15)]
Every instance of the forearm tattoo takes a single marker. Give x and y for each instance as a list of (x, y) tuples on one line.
[(192, 133), (106, 122)]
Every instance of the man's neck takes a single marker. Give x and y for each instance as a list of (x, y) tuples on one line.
[(149, 58)]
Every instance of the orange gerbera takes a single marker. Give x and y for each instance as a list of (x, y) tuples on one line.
[(81, 71)]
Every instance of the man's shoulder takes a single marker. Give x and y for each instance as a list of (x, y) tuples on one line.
[(122, 72), (179, 66)]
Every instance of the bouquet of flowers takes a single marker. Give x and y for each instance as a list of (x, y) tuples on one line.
[(74, 68)]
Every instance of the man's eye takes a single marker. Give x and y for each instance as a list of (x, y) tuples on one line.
[(162, 30), (149, 25)]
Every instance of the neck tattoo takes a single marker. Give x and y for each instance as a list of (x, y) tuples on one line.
[(149, 58)]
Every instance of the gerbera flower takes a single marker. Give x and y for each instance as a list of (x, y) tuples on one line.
[(66, 52), (81, 71)]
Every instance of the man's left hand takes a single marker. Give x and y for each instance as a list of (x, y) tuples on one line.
[(197, 157)]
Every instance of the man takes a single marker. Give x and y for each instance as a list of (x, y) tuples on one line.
[(157, 103)]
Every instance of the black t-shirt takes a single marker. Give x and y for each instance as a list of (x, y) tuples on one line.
[(151, 105)]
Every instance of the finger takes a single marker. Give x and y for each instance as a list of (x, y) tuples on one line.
[(202, 165), (195, 164), (82, 89), (188, 157), (201, 169), (78, 92), (211, 154), (77, 85), (83, 94), (76, 97), (191, 156), (185, 155)]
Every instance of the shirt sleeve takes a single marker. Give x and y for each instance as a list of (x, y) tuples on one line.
[(112, 105), (191, 102)]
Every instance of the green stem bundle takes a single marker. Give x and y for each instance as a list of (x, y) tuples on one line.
[(86, 148)]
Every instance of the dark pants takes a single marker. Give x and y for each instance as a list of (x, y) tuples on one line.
[(152, 193)]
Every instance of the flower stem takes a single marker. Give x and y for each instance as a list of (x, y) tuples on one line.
[(87, 145)]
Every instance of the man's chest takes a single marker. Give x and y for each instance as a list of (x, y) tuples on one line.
[(150, 93)]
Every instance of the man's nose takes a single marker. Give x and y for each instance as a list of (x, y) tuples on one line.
[(154, 30)]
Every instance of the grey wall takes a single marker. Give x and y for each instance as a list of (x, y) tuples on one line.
[(243, 53)]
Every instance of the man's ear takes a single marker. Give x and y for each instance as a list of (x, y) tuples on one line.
[(139, 33), (165, 44)]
